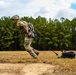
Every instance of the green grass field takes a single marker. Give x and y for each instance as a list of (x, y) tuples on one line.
[(63, 66)]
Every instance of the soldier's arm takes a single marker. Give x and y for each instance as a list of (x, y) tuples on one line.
[(23, 25), (26, 29)]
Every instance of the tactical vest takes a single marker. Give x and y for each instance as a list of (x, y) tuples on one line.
[(31, 30)]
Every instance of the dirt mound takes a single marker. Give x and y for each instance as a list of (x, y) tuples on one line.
[(26, 69)]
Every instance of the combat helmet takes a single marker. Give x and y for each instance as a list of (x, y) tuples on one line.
[(15, 17)]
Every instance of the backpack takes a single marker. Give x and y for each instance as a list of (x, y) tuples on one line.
[(68, 55), (31, 29)]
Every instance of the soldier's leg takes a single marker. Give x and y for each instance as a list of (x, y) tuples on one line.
[(31, 52), (36, 51), (27, 42)]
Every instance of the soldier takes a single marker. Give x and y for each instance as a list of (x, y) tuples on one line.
[(23, 25)]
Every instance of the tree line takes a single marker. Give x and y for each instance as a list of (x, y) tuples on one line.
[(49, 34)]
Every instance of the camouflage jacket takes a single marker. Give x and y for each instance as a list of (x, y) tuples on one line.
[(24, 28)]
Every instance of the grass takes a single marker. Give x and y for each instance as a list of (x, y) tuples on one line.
[(62, 66)]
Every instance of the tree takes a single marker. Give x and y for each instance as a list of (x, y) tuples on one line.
[(6, 37), (73, 33)]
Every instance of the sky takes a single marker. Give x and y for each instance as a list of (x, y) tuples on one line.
[(54, 9)]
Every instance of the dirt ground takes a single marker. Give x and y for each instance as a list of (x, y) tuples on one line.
[(26, 69), (21, 63)]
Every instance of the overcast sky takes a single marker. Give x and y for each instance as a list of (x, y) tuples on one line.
[(54, 9)]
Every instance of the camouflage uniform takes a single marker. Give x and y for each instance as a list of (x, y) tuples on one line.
[(23, 25)]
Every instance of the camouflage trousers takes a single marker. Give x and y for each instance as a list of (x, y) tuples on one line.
[(29, 49)]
